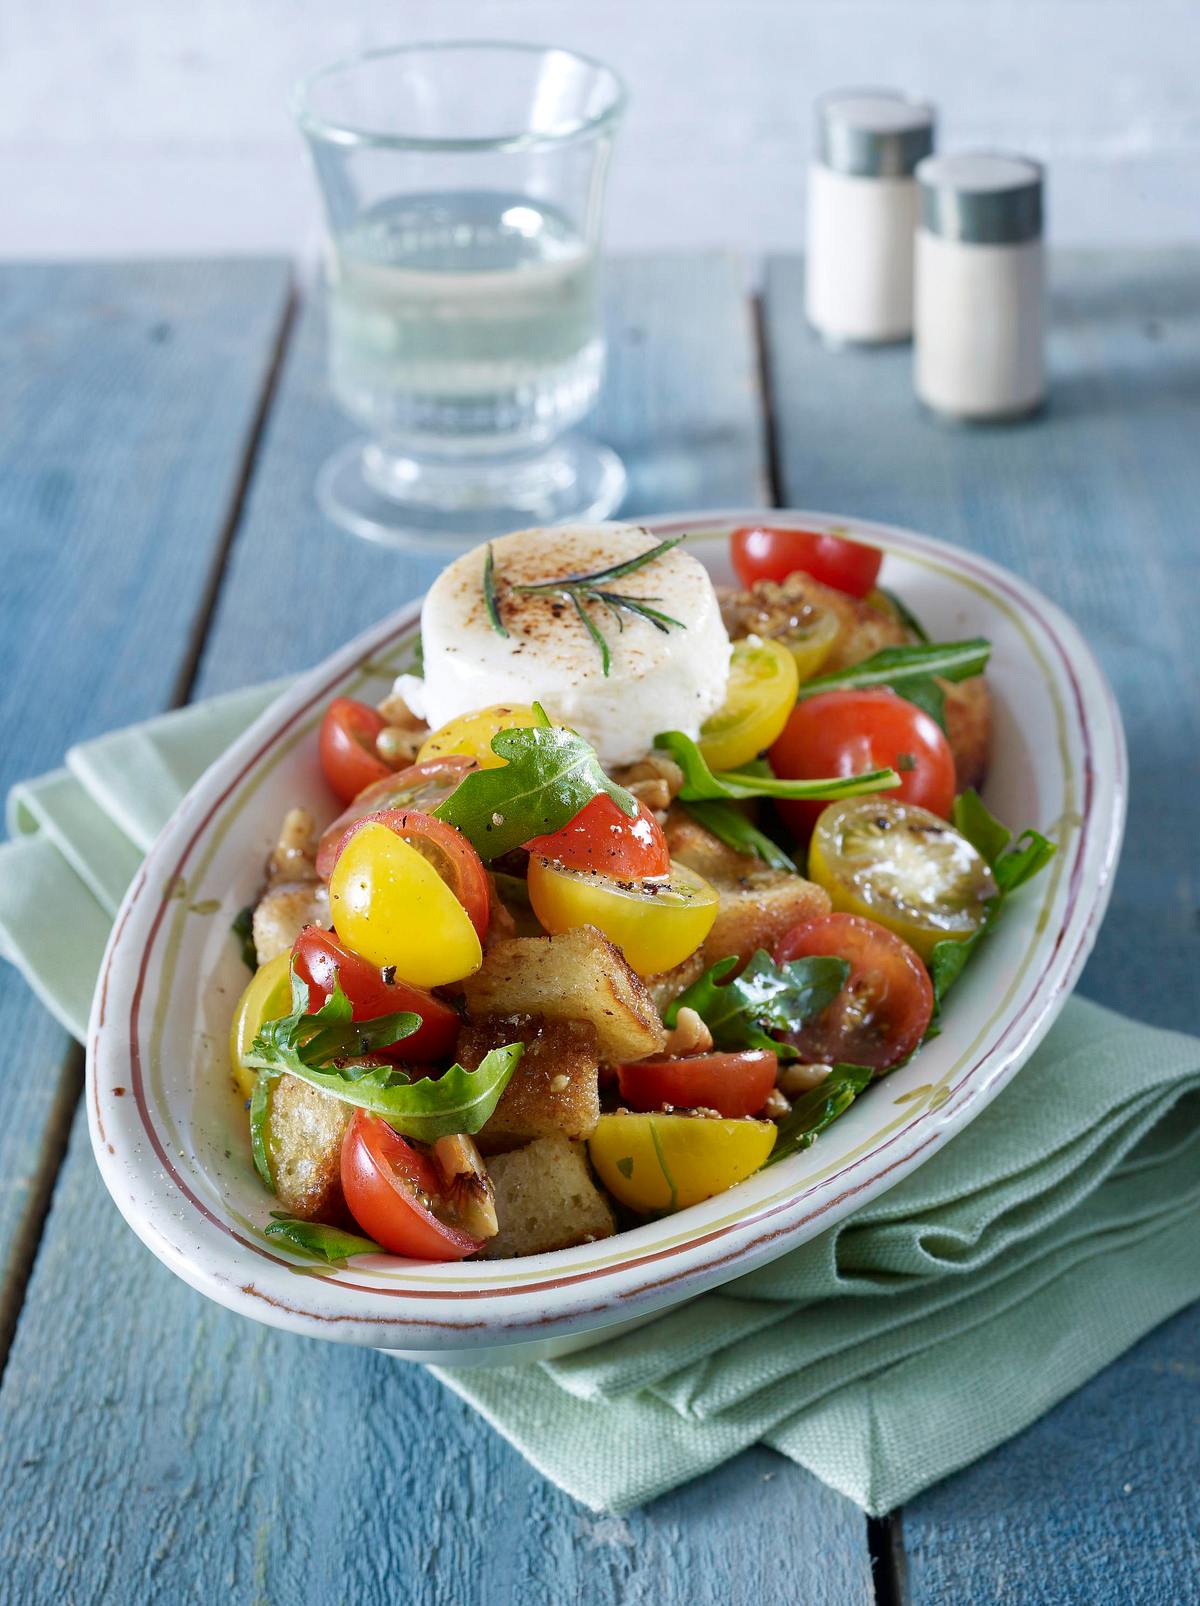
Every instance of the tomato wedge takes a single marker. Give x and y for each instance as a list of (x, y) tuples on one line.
[(847, 732), (655, 924), (393, 1191), (882, 1012), (419, 786), (347, 747), (321, 959), (603, 838), (732, 1084), (763, 677), (766, 552), (446, 849)]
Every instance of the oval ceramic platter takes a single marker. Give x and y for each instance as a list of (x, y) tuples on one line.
[(170, 1135)]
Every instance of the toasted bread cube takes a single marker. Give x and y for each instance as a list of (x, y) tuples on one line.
[(695, 845), (667, 985), (554, 1089), (778, 608), (545, 1199), (969, 729), (756, 911), (577, 975), (757, 905), (305, 1128), (282, 914)]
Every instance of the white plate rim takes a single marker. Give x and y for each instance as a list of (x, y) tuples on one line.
[(253, 1279)]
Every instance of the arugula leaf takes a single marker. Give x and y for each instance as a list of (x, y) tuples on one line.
[(260, 1109), (738, 1012), (818, 1108), (982, 830), (326, 1049), (300, 1040), (904, 613), (731, 826), (1030, 853), (928, 697), (701, 784), (946, 962), (457, 1101), (243, 929), (549, 774), (1012, 864), (893, 666), (910, 671), (314, 1238)]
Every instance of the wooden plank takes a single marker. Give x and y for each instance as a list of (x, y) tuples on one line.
[(1095, 502), (126, 396), (239, 1461), (1096, 1502)]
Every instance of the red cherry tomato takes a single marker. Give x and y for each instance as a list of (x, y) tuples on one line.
[(320, 958), (393, 1190), (732, 1084), (419, 786), (849, 732), (761, 552), (882, 1012), (604, 839), (347, 746), (451, 855)]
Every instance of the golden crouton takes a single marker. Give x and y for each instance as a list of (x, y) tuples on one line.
[(305, 1128), (782, 608), (577, 975), (282, 913), (696, 846), (756, 911), (545, 1199), (554, 1088), (969, 729), (667, 985), (757, 905)]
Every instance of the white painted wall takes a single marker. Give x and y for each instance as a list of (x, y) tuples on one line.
[(132, 126)]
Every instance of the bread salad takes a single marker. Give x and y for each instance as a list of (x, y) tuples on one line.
[(635, 889)]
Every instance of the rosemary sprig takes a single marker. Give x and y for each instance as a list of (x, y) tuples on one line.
[(489, 592), (578, 589)]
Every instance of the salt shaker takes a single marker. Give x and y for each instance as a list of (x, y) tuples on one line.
[(862, 213), (978, 338)]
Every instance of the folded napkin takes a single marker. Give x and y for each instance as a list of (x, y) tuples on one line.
[(900, 1345)]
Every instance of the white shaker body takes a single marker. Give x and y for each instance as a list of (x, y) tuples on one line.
[(979, 327), (859, 270)]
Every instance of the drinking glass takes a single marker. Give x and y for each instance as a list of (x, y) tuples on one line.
[(463, 186)]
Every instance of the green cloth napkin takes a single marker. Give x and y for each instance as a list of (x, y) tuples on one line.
[(900, 1345)]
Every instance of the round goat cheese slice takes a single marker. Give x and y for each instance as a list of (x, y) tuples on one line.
[(658, 679)]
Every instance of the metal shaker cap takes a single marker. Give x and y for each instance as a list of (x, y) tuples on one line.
[(981, 198), (873, 133)]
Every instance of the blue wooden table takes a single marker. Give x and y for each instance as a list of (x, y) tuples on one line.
[(160, 427)]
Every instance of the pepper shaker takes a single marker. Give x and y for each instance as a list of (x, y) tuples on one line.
[(978, 339), (862, 214)]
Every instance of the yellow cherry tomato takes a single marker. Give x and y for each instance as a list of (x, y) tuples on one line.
[(810, 638), (268, 997), (471, 734), (763, 680), (392, 907), (653, 1163), (902, 866), (655, 924)]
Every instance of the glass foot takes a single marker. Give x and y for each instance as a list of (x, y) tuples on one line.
[(419, 505)]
